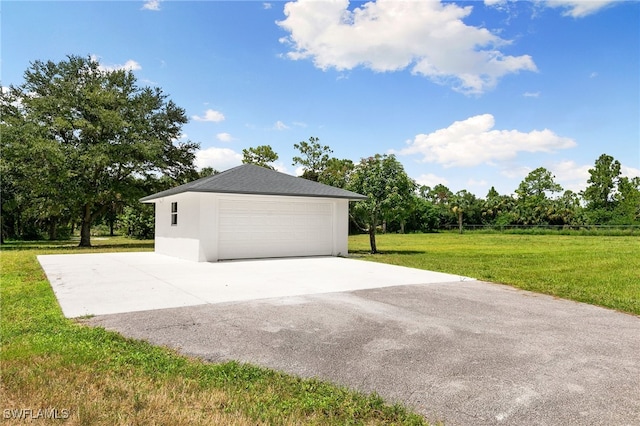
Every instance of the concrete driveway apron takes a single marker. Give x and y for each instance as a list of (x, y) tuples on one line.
[(106, 283)]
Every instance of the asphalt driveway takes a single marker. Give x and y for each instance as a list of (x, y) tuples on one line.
[(464, 352)]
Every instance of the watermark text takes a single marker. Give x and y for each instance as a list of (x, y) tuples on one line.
[(35, 414)]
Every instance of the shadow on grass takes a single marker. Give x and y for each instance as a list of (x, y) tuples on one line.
[(383, 252)]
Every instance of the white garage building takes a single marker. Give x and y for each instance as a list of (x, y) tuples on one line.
[(251, 212)]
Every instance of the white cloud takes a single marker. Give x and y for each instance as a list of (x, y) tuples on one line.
[(574, 176), (580, 8), (219, 158), (210, 115), (474, 182), (531, 94), (266, 6), (572, 8), (502, 5), (429, 179), (279, 125), (17, 101), (151, 5), (570, 170), (224, 137), (515, 172), (299, 171), (281, 167), (473, 141), (571, 175), (629, 172), (130, 65), (386, 35)]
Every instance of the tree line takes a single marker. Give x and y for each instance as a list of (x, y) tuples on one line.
[(81, 144), (396, 203)]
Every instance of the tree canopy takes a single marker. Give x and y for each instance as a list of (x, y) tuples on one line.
[(262, 155), (602, 182), (337, 172), (534, 205), (88, 134), (389, 190), (314, 158), (537, 184)]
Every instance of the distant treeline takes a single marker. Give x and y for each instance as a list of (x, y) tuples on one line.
[(609, 199)]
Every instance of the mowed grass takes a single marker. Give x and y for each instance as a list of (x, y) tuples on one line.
[(600, 270), (56, 367)]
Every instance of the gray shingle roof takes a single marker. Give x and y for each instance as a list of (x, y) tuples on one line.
[(252, 179)]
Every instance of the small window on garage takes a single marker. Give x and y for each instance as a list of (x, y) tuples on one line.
[(174, 213)]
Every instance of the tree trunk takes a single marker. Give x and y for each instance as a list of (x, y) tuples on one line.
[(112, 218), (372, 239), (460, 220), (85, 227), (53, 229)]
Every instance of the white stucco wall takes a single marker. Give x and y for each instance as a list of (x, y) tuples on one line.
[(181, 240), (195, 237), (340, 227), (209, 227)]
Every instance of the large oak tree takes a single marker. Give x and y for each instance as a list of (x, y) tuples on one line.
[(86, 135)]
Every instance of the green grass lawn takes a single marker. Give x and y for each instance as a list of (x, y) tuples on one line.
[(601, 270), (89, 376), (98, 377)]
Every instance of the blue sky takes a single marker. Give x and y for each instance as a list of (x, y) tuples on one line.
[(468, 94)]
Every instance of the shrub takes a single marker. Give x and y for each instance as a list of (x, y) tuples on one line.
[(138, 221)]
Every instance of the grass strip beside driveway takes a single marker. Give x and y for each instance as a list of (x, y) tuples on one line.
[(600, 270), (55, 369)]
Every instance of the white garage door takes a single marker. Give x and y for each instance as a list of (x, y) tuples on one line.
[(255, 228)]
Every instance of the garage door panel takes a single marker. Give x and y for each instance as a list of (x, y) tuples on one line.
[(255, 228)]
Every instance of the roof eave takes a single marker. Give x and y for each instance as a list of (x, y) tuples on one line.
[(355, 197)]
